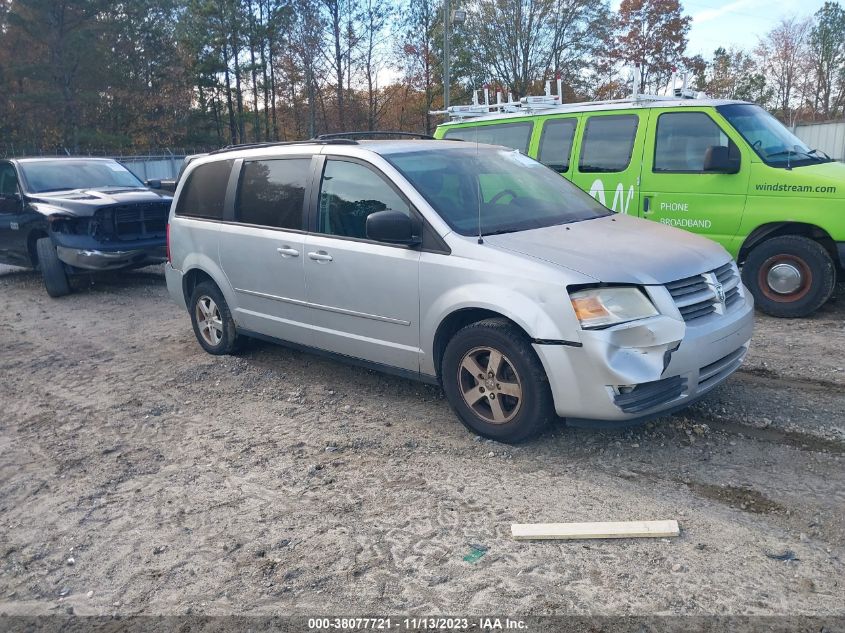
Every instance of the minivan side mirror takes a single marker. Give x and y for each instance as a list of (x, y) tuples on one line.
[(721, 160), (393, 227)]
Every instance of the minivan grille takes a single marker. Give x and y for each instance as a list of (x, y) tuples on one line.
[(696, 297)]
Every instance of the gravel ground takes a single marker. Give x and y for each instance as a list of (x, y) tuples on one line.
[(139, 475)]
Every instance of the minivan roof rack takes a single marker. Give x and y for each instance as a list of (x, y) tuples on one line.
[(372, 133), (313, 141)]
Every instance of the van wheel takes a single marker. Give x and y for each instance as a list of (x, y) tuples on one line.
[(495, 382), (789, 276), (212, 321), (52, 268)]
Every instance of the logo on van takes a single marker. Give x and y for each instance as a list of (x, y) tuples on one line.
[(621, 201)]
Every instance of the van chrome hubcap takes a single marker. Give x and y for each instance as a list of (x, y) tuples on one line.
[(209, 321), (784, 278), (490, 385)]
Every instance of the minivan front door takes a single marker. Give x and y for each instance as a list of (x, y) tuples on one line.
[(262, 250), (677, 190), (363, 295)]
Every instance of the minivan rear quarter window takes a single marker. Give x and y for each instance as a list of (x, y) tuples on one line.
[(272, 193), (204, 195), (608, 143), (513, 135)]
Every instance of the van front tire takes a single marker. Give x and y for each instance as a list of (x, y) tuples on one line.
[(212, 321), (52, 268), (495, 382), (790, 276)]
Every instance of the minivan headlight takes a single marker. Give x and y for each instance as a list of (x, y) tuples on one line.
[(601, 307)]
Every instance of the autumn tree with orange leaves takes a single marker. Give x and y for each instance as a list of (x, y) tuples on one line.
[(653, 34)]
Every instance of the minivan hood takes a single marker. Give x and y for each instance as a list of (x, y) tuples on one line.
[(85, 202), (618, 249)]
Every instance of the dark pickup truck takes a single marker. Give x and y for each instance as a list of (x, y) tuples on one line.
[(67, 216)]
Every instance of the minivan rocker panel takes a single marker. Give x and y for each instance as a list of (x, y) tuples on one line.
[(535, 319)]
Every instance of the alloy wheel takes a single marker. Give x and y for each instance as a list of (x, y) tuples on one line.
[(490, 385)]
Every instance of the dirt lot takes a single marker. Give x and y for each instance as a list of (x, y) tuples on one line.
[(140, 475)]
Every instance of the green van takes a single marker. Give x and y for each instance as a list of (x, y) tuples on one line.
[(727, 170)]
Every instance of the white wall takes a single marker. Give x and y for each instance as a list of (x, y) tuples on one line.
[(828, 137)]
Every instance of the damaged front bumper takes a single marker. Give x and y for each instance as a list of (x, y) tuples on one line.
[(95, 259), (637, 371)]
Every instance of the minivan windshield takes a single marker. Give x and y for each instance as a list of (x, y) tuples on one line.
[(495, 190), (772, 141), (62, 175)]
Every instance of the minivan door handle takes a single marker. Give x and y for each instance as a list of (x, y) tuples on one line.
[(287, 251), (320, 256)]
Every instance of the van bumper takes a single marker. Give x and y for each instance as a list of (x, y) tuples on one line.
[(636, 372), (173, 277)]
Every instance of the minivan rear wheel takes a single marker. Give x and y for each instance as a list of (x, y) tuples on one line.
[(495, 382), (790, 276), (212, 321)]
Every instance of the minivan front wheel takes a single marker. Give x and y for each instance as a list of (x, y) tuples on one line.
[(790, 276), (212, 321), (495, 382)]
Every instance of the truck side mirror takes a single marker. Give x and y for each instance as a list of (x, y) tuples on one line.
[(153, 184), (722, 160)]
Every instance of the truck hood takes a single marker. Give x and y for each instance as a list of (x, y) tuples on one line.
[(85, 202), (618, 249)]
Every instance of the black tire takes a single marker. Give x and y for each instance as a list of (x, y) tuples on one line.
[(815, 282), (52, 268), (228, 341), (519, 418)]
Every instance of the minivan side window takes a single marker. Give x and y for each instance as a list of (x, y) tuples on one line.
[(556, 143), (349, 193), (683, 139), (513, 135), (608, 143), (204, 195), (272, 193)]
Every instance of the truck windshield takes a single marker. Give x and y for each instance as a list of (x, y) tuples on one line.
[(772, 141), (494, 190), (62, 175)]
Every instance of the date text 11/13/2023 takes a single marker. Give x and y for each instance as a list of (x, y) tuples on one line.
[(416, 624)]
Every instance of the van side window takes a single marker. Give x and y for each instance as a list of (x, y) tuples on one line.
[(513, 135), (683, 139), (272, 193), (556, 143), (204, 194), (608, 143), (348, 194)]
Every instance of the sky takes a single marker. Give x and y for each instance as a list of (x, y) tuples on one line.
[(736, 22)]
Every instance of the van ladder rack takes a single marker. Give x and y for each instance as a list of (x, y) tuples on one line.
[(534, 104)]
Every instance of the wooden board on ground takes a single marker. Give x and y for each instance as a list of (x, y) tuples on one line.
[(610, 529)]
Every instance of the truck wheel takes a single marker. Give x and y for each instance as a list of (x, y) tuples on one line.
[(495, 382), (212, 320), (52, 268), (789, 276)]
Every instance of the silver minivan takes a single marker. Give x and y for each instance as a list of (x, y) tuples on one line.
[(467, 265)]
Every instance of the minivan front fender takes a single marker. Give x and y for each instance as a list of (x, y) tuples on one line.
[(541, 318)]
